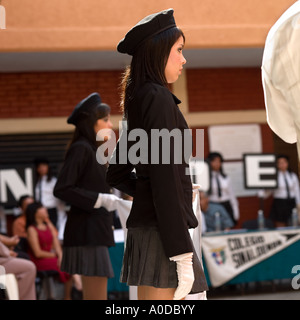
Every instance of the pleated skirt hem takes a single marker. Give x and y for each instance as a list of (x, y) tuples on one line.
[(88, 261), (145, 262)]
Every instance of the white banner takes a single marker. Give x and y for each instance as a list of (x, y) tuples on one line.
[(229, 254)]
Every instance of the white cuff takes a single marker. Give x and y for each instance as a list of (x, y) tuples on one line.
[(181, 256)]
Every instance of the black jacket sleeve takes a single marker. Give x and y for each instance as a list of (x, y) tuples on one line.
[(68, 187), (118, 175)]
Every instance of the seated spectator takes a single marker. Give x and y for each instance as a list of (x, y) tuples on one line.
[(43, 191), (44, 247), (19, 224), (10, 242), (13, 244), (209, 210), (24, 270)]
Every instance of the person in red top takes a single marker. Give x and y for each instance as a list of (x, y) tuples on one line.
[(44, 247)]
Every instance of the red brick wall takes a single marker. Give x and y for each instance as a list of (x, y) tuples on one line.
[(48, 94), (51, 94), (224, 89)]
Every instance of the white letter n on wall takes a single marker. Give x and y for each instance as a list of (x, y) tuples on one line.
[(9, 178)]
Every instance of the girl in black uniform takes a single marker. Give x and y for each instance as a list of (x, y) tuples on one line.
[(158, 241), (81, 183)]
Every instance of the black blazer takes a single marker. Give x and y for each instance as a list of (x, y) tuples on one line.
[(162, 192), (79, 182)]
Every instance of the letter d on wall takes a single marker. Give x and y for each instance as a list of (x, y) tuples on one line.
[(260, 171)]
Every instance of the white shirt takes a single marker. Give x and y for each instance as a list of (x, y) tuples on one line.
[(281, 76), (226, 190), (48, 200), (281, 191)]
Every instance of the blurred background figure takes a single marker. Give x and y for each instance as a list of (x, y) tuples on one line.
[(19, 226), (281, 76), (45, 182), (24, 270), (221, 191), (287, 195)]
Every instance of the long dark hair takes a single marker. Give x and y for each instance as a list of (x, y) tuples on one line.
[(148, 64), (213, 155), (30, 213), (85, 126), (49, 174)]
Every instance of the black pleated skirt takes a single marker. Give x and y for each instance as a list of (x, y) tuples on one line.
[(91, 261), (145, 262), (281, 209)]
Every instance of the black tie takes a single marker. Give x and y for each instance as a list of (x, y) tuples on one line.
[(193, 175), (287, 187), (40, 189), (219, 186)]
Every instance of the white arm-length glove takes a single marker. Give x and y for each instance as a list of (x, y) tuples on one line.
[(185, 273), (107, 200)]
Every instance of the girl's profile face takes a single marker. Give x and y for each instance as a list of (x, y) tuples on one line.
[(175, 61)]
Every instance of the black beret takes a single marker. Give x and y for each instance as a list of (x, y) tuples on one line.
[(84, 107), (147, 27)]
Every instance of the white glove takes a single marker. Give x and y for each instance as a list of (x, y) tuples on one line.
[(107, 200), (185, 273), (196, 188)]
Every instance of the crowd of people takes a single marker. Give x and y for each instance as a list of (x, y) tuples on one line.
[(36, 239), (220, 203)]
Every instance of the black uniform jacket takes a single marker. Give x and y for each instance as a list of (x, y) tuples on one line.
[(162, 193), (80, 180)]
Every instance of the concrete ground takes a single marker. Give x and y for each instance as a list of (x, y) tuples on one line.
[(275, 290)]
